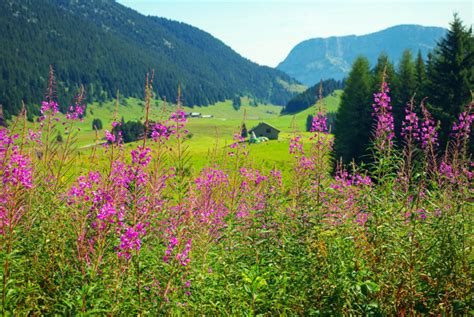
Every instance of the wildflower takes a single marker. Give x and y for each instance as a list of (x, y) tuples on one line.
[(110, 136), (410, 125), (183, 257), (75, 112), (428, 133), (49, 107), (296, 146), (160, 132), (319, 123), (383, 111), (130, 240)]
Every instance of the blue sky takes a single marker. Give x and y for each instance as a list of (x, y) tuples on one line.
[(266, 30)]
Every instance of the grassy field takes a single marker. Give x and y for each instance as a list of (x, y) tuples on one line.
[(207, 134)]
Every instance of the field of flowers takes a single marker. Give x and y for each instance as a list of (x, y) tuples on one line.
[(138, 234)]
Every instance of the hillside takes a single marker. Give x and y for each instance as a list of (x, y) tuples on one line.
[(309, 97), (106, 46), (324, 58)]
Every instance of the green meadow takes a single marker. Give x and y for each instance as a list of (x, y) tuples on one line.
[(208, 137)]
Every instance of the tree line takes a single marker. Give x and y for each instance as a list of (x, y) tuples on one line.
[(443, 83), (309, 97)]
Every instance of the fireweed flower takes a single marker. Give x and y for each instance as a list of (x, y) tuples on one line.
[(456, 176), (251, 192), (238, 145), (410, 125), (173, 242), (462, 129), (428, 133), (109, 136), (16, 176), (48, 108), (179, 123), (183, 257), (207, 201), (17, 170), (160, 132), (319, 123), (141, 158), (130, 240), (384, 132), (343, 201), (34, 137), (75, 112), (296, 146)]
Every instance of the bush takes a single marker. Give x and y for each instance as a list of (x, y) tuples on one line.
[(96, 124)]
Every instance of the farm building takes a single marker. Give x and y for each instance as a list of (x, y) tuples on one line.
[(195, 114), (266, 130)]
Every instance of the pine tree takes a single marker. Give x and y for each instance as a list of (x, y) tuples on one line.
[(97, 124), (450, 77), (404, 87), (236, 102), (243, 132), (353, 124), (309, 122), (420, 69), (384, 67)]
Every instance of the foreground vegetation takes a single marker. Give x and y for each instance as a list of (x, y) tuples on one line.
[(136, 231)]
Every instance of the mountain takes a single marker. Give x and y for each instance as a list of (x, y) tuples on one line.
[(106, 47), (324, 58)]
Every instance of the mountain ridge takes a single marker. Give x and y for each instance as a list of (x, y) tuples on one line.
[(331, 57), (106, 47)]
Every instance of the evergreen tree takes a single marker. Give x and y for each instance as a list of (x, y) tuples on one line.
[(404, 87), (243, 132), (383, 65), (97, 124), (450, 77), (309, 122), (420, 76), (236, 102), (353, 124)]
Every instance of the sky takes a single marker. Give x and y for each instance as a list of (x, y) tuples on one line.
[(265, 31)]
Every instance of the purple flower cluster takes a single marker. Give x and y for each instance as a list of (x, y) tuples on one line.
[(462, 128), (296, 146), (130, 240), (238, 146), (410, 125), (179, 123), (75, 112), (16, 174), (183, 256), (17, 170), (319, 123), (48, 107), (345, 200), (384, 132), (208, 201), (458, 176), (110, 137), (108, 207), (160, 132), (428, 133)]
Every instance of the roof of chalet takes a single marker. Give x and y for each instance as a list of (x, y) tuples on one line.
[(266, 124)]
